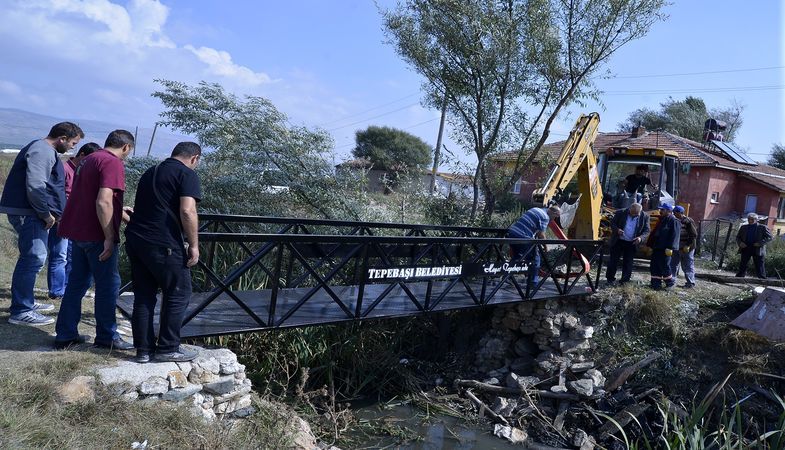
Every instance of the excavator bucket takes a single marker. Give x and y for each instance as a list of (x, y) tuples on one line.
[(766, 316)]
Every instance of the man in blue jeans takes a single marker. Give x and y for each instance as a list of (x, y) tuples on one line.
[(34, 198), (91, 220)]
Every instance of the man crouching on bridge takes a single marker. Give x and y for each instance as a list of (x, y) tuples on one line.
[(531, 225), (162, 243)]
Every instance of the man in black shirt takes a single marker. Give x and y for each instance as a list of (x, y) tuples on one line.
[(637, 182), (162, 245)]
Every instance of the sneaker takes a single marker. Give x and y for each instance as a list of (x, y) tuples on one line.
[(30, 318), (142, 357), (689, 285), (116, 344), (182, 355), (43, 307), (62, 345)]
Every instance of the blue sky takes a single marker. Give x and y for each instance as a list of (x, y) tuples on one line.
[(325, 63)]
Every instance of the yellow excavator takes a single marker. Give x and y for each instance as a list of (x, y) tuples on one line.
[(599, 183)]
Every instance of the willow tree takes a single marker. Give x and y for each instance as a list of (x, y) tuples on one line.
[(509, 67), (256, 147)]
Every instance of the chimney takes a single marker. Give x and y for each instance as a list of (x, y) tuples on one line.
[(638, 131)]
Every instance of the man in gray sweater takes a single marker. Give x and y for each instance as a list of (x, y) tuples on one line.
[(34, 198)]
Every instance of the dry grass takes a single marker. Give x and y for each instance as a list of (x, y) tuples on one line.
[(744, 342), (32, 417)]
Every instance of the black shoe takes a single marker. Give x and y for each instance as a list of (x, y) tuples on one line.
[(116, 344), (142, 357), (182, 355), (738, 275), (62, 345), (689, 285)]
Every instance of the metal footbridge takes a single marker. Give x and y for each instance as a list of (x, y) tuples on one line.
[(261, 273)]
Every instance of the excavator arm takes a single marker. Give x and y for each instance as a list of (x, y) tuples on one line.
[(577, 159)]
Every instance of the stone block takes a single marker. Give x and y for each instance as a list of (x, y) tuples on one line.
[(206, 364), (522, 365), (493, 381), (243, 390), (596, 377), (130, 396), (230, 368), (154, 385), (134, 373), (232, 406), (525, 346), (514, 435), (185, 367), (177, 379), (222, 355), (78, 390), (511, 323), (223, 385), (581, 366), (180, 394), (499, 404), (583, 387), (558, 388), (569, 321), (582, 332), (245, 412), (574, 345), (208, 415)]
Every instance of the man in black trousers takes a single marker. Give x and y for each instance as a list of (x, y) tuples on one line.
[(752, 239), (162, 244), (629, 228)]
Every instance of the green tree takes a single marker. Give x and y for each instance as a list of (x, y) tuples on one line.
[(392, 149), (777, 158), (685, 118), (255, 147), (507, 68)]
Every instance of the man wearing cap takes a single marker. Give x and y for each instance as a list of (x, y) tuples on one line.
[(686, 253), (752, 239), (663, 240), (629, 228)]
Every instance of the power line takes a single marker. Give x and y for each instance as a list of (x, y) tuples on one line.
[(374, 117), (698, 90), (700, 73), (404, 129), (368, 110)]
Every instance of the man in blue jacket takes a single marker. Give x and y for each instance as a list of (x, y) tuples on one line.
[(663, 240), (629, 229), (34, 198)]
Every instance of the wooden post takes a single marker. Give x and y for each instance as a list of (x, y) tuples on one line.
[(699, 238), (152, 138), (716, 236), (725, 246)]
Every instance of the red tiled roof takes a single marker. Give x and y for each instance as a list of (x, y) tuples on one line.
[(688, 150)]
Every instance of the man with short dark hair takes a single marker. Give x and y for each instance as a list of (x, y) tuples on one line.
[(629, 228), (34, 198), (92, 221), (162, 243), (685, 256), (70, 168), (752, 239)]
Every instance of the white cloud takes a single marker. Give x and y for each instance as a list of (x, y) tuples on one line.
[(220, 63), (9, 88)]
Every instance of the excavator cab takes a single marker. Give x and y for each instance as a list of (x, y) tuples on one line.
[(643, 175)]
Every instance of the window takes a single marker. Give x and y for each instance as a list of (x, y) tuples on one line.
[(516, 188), (715, 197), (781, 209), (751, 203)]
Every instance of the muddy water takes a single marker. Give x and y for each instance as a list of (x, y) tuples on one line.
[(414, 430)]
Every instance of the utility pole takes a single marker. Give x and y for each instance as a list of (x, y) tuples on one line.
[(438, 150), (136, 132), (152, 138)]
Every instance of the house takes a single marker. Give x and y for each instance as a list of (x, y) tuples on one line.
[(447, 184), (716, 179)]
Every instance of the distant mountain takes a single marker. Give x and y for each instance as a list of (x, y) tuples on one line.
[(18, 128)]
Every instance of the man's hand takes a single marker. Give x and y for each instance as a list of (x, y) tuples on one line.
[(757, 244), (636, 240), (685, 249), (127, 211), (620, 232), (193, 255), (668, 252), (742, 245), (108, 250), (49, 222)]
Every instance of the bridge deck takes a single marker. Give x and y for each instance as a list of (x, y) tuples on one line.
[(358, 270)]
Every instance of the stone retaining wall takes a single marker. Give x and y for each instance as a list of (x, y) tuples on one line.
[(541, 340), (214, 383)]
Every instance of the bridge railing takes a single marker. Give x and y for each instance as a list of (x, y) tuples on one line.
[(286, 276)]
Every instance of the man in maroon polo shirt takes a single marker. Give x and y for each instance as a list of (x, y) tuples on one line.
[(91, 220)]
